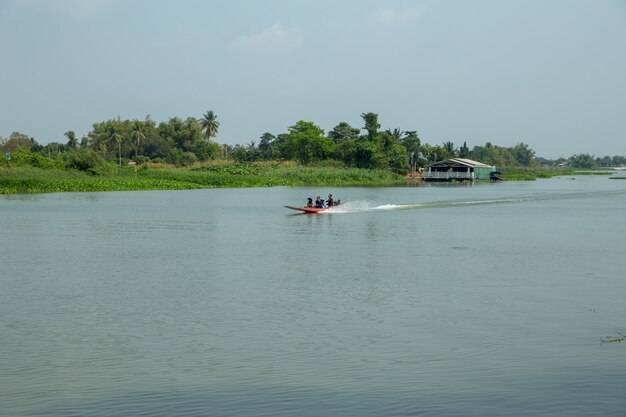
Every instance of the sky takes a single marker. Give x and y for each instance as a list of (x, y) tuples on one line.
[(551, 74)]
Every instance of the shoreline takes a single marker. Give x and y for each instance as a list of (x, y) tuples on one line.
[(36, 180)]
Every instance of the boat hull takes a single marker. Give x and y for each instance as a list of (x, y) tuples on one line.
[(307, 209)]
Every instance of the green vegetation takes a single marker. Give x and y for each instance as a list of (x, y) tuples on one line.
[(180, 154), (33, 179), (532, 173)]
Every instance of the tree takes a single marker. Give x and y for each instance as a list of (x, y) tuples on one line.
[(523, 154), (266, 145), (209, 124), (495, 155), (111, 137), (137, 136), (207, 150), (397, 158), (367, 154), (343, 132), (432, 154), (117, 138), (306, 143), (583, 161), (464, 151), (412, 144), (619, 160), (155, 147), (19, 141), (72, 142), (182, 134), (605, 161), (449, 150), (396, 133), (371, 124)]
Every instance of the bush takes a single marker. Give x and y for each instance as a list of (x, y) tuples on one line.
[(26, 158), (206, 150), (90, 161), (188, 158)]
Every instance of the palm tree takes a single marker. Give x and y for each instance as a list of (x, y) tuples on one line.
[(117, 138), (209, 124), (72, 141), (449, 148), (396, 133), (138, 137)]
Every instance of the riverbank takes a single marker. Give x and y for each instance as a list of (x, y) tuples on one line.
[(28, 180)]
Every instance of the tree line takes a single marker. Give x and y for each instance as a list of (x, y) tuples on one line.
[(187, 141)]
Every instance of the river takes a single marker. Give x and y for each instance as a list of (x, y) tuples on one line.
[(439, 300)]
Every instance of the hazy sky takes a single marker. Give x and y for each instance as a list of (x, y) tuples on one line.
[(551, 74)]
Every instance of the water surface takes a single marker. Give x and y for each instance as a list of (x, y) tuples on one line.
[(490, 299)]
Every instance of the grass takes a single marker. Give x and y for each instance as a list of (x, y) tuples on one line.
[(26, 179)]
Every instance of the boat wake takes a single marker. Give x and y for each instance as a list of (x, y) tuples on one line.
[(365, 206)]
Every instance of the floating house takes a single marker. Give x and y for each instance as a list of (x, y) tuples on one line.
[(458, 169)]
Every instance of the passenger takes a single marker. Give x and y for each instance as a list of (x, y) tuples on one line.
[(309, 202), (319, 203), (330, 202)]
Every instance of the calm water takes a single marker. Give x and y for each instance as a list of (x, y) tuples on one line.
[(483, 300)]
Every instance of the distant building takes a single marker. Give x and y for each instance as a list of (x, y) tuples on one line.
[(458, 169)]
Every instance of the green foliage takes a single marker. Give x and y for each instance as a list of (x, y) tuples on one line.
[(449, 149), (26, 158), (371, 124), (611, 161), (263, 176), (343, 132), (17, 142), (464, 151), (397, 157), (209, 124), (504, 157), (346, 152), (367, 154), (186, 143), (523, 155), (266, 146), (155, 147), (72, 142), (89, 161), (412, 144), (243, 154), (306, 143), (36, 180), (183, 135), (583, 161), (206, 151), (188, 158)]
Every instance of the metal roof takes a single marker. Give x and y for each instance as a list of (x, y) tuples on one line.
[(460, 162)]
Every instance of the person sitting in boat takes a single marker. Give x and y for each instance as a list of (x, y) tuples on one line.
[(319, 203), (330, 202), (309, 202)]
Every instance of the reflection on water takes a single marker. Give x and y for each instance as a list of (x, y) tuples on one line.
[(483, 300)]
